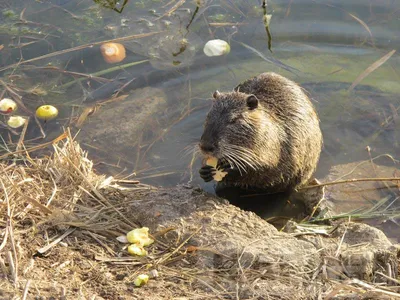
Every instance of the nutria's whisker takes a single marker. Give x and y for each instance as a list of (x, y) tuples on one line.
[(191, 149), (236, 155), (236, 162), (194, 150), (232, 161), (243, 158), (245, 152), (246, 156)]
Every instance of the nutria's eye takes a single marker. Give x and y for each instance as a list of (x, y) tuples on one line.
[(252, 102), (216, 94)]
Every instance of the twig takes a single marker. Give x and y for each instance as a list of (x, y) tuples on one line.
[(162, 232), (14, 132), (3, 267), (61, 137), (385, 185), (342, 239), (122, 39), (388, 277), (163, 259), (40, 127), (231, 5), (389, 269), (38, 205), (270, 60), (223, 24), (367, 161), (52, 68), (172, 9), (103, 72), (22, 20), (111, 251), (12, 266), (56, 241), (54, 191), (63, 265), (371, 287), (8, 167), (168, 4), (26, 289), (193, 16), (288, 9), (63, 293), (132, 260), (22, 136), (123, 181), (355, 18), (3, 243), (13, 263), (349, 181)]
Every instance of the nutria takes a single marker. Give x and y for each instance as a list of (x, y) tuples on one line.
[(265, 135)]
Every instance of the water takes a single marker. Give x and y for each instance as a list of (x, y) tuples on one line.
[(330, 44)]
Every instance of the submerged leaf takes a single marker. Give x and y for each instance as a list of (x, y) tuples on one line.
[(371, 68), (271, 60)]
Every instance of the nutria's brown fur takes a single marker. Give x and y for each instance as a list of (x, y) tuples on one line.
[(266, 128)]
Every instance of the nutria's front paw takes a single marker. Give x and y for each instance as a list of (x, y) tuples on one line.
[(207, 173), (232, 172)]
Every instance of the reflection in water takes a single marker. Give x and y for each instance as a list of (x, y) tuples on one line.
[(175, 48), (328, 44)]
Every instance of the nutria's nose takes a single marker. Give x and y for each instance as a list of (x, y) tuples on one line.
[(206, 147)]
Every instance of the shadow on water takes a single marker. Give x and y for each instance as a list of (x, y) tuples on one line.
[(264, 205)]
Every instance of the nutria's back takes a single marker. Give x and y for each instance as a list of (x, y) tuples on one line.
[(268, 129)]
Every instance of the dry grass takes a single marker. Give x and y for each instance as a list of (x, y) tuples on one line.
[(42, 201)]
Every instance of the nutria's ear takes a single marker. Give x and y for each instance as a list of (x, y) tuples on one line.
[(252, 102), (216, 94)]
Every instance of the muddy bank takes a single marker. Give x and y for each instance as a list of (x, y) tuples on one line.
[(249, 257)]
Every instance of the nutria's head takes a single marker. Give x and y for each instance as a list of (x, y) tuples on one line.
[(241, 131)]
